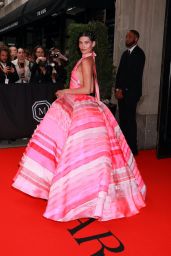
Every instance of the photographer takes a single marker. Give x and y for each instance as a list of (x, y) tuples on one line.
[(22, 67), (56, 60), (40, 71), (8, 73)]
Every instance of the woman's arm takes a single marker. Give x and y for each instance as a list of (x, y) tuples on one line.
[(87, 74)]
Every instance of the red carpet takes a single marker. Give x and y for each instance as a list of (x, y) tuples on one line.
[(24, 232)]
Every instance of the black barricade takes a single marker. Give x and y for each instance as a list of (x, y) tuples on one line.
[(22, 107)]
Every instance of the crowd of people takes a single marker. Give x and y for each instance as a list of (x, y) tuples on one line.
[(36, 67), (41, 67)]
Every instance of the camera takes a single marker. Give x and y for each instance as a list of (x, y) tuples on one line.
[(9, 65), (54, 55)]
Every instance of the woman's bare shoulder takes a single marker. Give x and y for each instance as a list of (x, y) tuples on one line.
[(88, 62)]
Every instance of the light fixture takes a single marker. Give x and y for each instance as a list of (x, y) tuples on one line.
[(74, 10)]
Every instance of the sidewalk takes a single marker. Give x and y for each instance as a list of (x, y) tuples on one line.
[(13, 143)]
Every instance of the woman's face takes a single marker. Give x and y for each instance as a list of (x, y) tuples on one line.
[(40, 52), (3, 56), (21, 54), (13, 51), (85, 44)]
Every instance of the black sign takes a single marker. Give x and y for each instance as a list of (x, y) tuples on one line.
[(36, 9), (22, 107)]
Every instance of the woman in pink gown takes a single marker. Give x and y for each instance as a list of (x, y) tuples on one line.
[(78, 159)]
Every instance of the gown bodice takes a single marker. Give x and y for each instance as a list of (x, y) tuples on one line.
[(74, 80)]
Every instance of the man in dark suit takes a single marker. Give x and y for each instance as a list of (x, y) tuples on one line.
[(128, 88)]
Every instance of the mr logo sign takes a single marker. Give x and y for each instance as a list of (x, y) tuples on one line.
[(39, 109)]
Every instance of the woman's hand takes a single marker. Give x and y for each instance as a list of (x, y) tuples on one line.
[(40, 59), (6, 70), (60, 93), (12, 70)]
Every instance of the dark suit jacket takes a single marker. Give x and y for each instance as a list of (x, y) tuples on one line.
[(130, 72), (13, 77)]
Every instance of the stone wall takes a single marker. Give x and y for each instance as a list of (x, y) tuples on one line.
[(147, 17), (11, 6)]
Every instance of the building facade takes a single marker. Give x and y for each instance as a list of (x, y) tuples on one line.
[(45, 22), (148, 17), (8, 6)]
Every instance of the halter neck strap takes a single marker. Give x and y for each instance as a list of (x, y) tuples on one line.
[(93, 54), (89, 54), (86, 55)]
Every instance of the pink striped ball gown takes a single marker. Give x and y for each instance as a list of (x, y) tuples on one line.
[(79, 161)]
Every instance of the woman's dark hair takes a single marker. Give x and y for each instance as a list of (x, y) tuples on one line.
[(5, 49), (135, 32), (20, 48), (35, 49), (28, 52), (89, 34)]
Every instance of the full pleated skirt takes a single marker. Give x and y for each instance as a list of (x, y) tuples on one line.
[(79, 161)]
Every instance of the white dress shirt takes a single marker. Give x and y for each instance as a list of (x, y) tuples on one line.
[(132, 48)]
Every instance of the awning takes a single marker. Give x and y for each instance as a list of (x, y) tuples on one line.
[(34, 10), (99, 4), (37, 9), (12, 20)]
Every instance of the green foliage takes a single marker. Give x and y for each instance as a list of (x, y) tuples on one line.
[(103, 60)]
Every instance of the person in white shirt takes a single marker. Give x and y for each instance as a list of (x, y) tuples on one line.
[(22, 67)]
